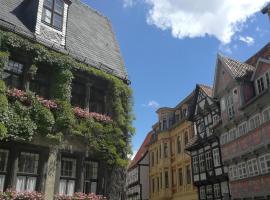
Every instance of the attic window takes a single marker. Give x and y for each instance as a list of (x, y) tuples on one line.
[(53, 13)]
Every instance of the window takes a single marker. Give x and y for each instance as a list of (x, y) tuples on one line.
[(202, 192), (157, 184), (153, 185), (202, 163), (157, 156), (242, 170), (96, 103), (208, 158), (253, 168), (67, 176), (90, 177), (164, 124), (224, 138), (266, 115), (160, 151), (188, 173), (178, 144), (160, 180), (53, 13), (254, 122), (186, 137), (216, 190), (216, 157), (209, 191), (235, 172), (195, 164), (27, 172), (265, 163), (41, 83), (267, 79), (260, 84), (232, 134), (166, 150), (174, 177), (13, 74), (180, 177), (78, 94), (230, 107), (152, 159), (166, 179), (242, 129), (3, 167)]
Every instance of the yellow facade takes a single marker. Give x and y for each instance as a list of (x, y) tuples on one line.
[(170, 167)]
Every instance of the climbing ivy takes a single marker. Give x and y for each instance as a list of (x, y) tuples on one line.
[(110, 139)]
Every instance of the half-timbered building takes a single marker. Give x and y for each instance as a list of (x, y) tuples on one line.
[(208, 171)]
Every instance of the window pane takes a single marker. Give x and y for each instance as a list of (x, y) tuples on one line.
[(57, 21), (70, 187), (58, 7), (68, 167), (62, 187), (20, 185), (47, 15), (2, 182), (3, 160), (31, 184), (28, 163), (93, 187), (48, 3)]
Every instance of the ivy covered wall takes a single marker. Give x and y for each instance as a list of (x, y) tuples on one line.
[(23, 115)]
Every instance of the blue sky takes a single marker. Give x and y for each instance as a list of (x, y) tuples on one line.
[(166, 56)]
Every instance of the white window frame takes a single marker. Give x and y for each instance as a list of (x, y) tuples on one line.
[(216, 157), (3, 174), (242, 170), (254, 120), (202, 192), (217, 190), (260, 80), (235, 172), (253, 167), (232, 134), (195, 163), (264, 161), (202, 162), (266, 112), (208, 160), (68, 181), (242, 129)]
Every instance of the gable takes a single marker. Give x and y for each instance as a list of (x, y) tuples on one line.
[(203, 102), (222, 78)]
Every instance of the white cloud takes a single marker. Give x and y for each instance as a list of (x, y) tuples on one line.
[(248, 40), (198, 18), (128, 3), (153, 104)]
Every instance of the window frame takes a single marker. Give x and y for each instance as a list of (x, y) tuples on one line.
[(266, 110), (244, 129), (26, 175), (65, 178), (253, 118), (230, 107), (253, 167), (53, 12), (216, 157), (8, 69), (208, 160), (92, 179), (195, 164), (263, 161), (242, 170), (3, 173)]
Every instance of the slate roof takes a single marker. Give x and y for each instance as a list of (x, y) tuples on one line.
[(89, 37), (142, 151), (238, 69)]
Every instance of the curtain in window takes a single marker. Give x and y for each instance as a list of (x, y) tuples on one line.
[(62, 187), (70, 188), (31, 184), (2, 182), (93, 187), (20, 183)]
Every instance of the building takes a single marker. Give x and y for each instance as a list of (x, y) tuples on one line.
[(63, 94), (243, 91), (170, 167), (209, 174), (138, 173)]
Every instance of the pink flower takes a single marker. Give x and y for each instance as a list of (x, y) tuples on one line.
[(80, 113)]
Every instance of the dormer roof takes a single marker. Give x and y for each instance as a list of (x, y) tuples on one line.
[(236, 68), (89, 35)]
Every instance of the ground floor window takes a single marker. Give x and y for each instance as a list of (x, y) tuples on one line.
[(209, 192), (217, 190), (67, 176), (27, 172), (202, 193), (3, 167), (90, 177)]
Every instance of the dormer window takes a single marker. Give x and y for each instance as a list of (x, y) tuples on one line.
[(53, 13)]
